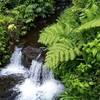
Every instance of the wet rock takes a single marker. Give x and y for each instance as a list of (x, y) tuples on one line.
[(29, 53), (6, 85), (9, 95)]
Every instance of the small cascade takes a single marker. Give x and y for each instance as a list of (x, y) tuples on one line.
[(39, 82), (35, 72), (16, 56), (15, 64)]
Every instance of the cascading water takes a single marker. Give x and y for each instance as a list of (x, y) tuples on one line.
[(15, 64), (39, 82)]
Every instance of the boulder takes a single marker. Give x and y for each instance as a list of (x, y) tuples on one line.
[(29, 53)]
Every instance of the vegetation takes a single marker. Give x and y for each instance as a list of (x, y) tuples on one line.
[(23, 13), (73, 42), (74, 50), (16, 18)]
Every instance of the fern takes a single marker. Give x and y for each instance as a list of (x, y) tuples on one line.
[(61, 45), (64, 38), (59, 39), (91, 24), (80, 25), (52, 34), (62, 51), (68, 19)]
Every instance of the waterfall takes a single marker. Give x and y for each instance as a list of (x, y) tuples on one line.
[(15, 64), (16, 56), (39, 82)]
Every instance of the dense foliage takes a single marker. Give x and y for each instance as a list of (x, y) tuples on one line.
[(74, 50), (24, 12)]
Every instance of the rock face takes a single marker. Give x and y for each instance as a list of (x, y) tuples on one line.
[(6, 85), (29, 53)]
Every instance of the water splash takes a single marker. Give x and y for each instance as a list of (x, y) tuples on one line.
[(15, 64), (47, 91), (39, 82), (16, 56)]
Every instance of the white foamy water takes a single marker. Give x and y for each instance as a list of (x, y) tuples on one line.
[(39, 82), (15, 64), (47, 91)]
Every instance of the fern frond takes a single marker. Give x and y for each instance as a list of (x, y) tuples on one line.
[(89, 25), (51, 35), (72, 54), (60, 52), (68, 18)]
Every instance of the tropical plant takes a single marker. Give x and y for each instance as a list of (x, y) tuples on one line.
[(64, 39), (30, 10), (73, 50), (25, 12)]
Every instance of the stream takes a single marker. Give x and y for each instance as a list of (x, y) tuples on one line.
[(35, 83)]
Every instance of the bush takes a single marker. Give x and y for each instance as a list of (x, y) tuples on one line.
[(25, 12)]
